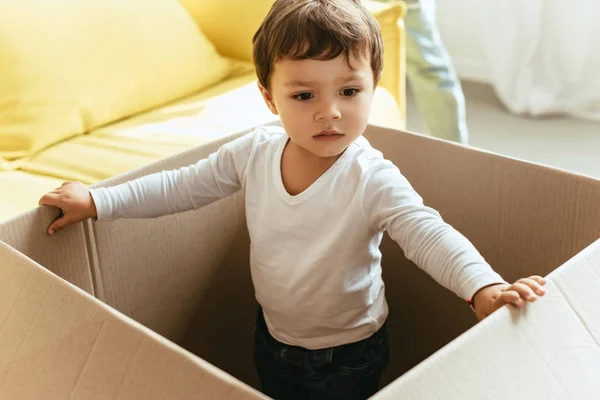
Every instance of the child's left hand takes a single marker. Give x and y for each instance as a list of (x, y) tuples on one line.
[(491, 298)]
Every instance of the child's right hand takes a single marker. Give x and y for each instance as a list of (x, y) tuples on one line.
[(75, 202)]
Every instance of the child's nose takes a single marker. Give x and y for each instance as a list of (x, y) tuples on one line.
[(328, 111)]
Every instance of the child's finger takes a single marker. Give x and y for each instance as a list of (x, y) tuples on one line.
[(534, 285), (58, 225), (509, 297), (523, 290), (538, 279), (49, 199)]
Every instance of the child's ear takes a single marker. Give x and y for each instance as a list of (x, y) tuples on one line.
[(268, 97)]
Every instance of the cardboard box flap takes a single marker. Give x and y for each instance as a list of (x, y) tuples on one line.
[(66, 254), (578, 281), (58, 342), (549, 350)]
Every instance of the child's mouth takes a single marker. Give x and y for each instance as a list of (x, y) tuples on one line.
[(329, 135)]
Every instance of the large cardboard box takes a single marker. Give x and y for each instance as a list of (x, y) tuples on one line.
[(164, 308)]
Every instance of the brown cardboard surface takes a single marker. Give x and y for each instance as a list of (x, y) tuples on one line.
[(520, 215), (177, 274), (67, 255), (186, 276), (524, 218), (57, 342)]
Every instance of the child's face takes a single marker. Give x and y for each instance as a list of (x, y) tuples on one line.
[(323, 105)]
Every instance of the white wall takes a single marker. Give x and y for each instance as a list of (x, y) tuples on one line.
[(459, 27)]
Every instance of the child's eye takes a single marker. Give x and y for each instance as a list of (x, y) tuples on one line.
[(350, 92), (303, 96)]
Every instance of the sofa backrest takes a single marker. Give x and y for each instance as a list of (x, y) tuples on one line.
[(231, 28)]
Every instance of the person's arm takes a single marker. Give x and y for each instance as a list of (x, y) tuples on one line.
[(168, 192), (392, 204), (162, 193)]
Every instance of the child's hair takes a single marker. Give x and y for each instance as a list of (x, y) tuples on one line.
[(318, 30)]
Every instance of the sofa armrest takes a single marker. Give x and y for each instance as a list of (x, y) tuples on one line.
[(231, 28)]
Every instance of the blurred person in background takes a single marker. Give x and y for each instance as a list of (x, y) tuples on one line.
[(432, 78)]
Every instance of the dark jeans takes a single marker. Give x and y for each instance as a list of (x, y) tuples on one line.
[(350, 371)]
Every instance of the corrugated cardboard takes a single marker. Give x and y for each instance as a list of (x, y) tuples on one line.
[(185, 280), (58, 342), (550, 350)]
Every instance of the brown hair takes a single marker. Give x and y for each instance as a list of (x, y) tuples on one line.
[(319, 30)]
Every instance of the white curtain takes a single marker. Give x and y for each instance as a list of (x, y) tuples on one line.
[(544, 55)]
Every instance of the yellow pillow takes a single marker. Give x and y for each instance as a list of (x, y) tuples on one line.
[(229, 24), (68, 66), (232, 27)]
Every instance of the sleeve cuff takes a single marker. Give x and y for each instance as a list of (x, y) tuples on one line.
[(494, 283), (100, 202)]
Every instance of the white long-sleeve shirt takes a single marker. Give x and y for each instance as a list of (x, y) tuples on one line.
[(315, 259)]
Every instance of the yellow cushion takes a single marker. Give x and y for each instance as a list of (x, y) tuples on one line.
[(228, 107), (225, 108), (231, 28), (68, 66)]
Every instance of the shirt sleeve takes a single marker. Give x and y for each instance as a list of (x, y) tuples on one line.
[(167, 192), (391, 204)]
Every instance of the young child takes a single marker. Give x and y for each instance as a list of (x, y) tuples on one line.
[(318, 200)]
